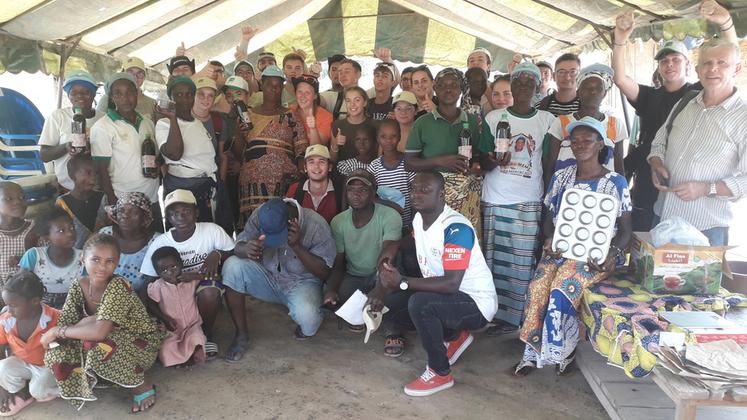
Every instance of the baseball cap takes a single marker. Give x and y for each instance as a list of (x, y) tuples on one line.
[(79, 77), (544, 63), (592, 123), (180, 60), (243, 62), (671, 46), (122, 75), (133, 62), (179, 79), (205, 82), (179, 196), (273, 222), (306, 78), (528, 68), (265, 54), (405, 96), (236, 82), (484, 51), (317, 150), (273, 71), (363, 176)]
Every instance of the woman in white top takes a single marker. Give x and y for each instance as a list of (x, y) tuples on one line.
[(55, 137), (187, 146)]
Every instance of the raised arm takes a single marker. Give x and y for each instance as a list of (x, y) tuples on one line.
[(624, 26)]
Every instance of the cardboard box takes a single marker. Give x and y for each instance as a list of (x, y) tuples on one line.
[(678, 269)]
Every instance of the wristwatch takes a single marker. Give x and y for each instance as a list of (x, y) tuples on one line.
[(712, 191), (403, 283)]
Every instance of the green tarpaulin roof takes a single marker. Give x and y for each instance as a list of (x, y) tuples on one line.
[(432, 31)]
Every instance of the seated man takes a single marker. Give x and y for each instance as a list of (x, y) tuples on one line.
[(319, 192), (456, 292), (283, 256), (365, 234)]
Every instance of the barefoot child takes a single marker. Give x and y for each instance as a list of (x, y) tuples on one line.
[(23, 377), (58, 264), (172, 299), (365, 148), (84, 205), (104, 332), (16, 233)]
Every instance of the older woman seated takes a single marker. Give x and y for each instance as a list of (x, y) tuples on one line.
[(550, 329)]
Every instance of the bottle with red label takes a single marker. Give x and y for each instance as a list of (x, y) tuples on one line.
[(243, 112), (78, 138), (148, 158), (502, 137), (465, 141)]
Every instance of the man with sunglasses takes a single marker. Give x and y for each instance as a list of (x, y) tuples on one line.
[(146, 106)]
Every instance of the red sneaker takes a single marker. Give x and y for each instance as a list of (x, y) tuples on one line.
[(455, 348), (429, 383)]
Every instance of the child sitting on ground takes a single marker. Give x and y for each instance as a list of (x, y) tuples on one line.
[(57, 264), (171, 298), (16, 233), (23, 377), (389, 168), (84, 205), (365, 141)]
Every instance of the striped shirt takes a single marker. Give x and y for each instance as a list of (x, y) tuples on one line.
[(345, 167), (395, 177), (556, 108), (707, 144)]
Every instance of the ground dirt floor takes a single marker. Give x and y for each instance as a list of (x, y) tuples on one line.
[(335, 376)]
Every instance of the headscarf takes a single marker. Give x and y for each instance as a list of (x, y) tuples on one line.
[(601, 71), (467, 104), (136, 199), (450, 71)]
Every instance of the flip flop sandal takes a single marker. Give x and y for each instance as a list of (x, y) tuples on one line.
[(15, 407), (394, 345), (211, 350), (524, 368), (500, 329), (566, 366), (139, 398), (357, 328), (236, 351)]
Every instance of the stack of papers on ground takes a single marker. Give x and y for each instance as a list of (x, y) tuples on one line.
[(705, 326), (718, 366)]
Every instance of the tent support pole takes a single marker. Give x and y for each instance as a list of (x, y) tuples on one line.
[(65, 53)]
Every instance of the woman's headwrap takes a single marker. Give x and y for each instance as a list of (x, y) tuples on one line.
[(601, 71), (450, 71), (136, 199), (467, 104)]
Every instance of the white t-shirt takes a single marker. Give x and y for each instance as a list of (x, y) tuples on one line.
[(521, 180), (121, 143), (450, 243), (207, 238), (57, 130), (198, 159), (616, 132)]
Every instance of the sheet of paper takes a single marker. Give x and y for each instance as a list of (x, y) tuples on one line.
[(672, 339), (352, 310)]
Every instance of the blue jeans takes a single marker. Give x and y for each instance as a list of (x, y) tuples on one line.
[(303, 300), (438, 318), (718, 236)]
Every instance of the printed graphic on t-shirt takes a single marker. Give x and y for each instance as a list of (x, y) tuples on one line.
[(459, 239), (522, 149), (192, 260)]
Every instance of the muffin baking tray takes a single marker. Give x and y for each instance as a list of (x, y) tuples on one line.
[(585, 225)]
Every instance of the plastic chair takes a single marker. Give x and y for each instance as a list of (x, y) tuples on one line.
[(20, 145), (11, 168)]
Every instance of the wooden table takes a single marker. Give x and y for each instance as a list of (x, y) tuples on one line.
[(687, 397)]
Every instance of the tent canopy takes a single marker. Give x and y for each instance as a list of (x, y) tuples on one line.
[(33, 33)]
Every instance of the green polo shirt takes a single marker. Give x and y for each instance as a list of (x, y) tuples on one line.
[(432, 135)]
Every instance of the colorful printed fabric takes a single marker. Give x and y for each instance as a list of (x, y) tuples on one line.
[(510, 235), (463, 195), (269, 166), (12, 248), (550, 327), (623, 322), (136, 199), (121, 358)]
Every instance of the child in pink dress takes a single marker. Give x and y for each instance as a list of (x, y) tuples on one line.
[(171, 298)]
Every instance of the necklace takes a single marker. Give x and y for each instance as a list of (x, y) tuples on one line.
[(90, 293)]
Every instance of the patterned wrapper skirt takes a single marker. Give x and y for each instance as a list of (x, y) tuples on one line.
[(463, 195)]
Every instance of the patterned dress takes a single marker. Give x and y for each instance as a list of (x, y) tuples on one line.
[(269, 166), (121, 358), (12, 248), (551, 321), (129, 264)]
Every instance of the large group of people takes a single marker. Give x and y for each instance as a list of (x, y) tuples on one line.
[(272, 189)]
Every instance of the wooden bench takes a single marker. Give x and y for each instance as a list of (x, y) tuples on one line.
[(687, 396)]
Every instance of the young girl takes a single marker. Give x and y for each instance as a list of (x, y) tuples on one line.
[(84, 205), (57, 264), (389, 168), (171, 298), (342, 145), (16, 233), (104, 332), (365, 147), (23, 376)]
